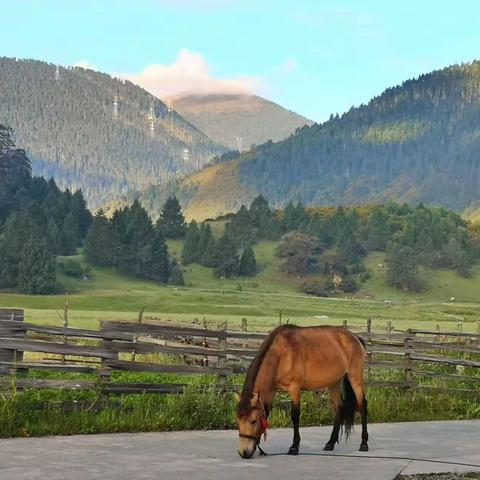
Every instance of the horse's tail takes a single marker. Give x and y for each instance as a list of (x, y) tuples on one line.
[(348, 407)]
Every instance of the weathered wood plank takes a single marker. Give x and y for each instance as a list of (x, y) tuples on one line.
[(420, 345), (445, 360), (446, 376), (22, 383), (152, 329), (57, 367), (55, 348), (139, 347), (16, 314), (160, 368), (445, 334)]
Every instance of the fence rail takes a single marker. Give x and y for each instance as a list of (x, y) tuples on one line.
[(167, 348)]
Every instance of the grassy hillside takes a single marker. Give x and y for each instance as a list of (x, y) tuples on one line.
[(237, 121), (416, 142), (110, 295)]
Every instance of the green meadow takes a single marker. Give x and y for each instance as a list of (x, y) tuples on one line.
[(109, 294)]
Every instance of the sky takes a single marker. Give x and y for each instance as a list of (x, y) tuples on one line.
[(315, 57)]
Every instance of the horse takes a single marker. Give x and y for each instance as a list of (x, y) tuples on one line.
[(296, 359)]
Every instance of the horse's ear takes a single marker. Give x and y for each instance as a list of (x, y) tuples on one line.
[(237, 397), (254, 400)]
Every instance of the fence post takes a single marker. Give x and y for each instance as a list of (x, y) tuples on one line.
[(8, 358), (345, 324), (369, 325), (389, 329), (244, 329), (280, 317), (222, 344), (408, 362)]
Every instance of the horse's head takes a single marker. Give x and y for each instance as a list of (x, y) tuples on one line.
[(252, 422)]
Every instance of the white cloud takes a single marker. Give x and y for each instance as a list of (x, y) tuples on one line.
[(190, 73), (85, 64)]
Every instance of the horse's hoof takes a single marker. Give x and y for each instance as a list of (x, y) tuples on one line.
[(328, 447), (363, 448), (293, 451)]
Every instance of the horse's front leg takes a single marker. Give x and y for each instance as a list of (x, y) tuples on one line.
[(295, 395)]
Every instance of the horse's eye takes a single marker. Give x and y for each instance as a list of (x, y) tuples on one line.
[(253, 422)]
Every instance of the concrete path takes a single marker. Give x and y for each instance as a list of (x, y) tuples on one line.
[(212, 455)]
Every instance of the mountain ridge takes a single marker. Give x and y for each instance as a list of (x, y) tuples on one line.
[(415, 142), (238, 121)]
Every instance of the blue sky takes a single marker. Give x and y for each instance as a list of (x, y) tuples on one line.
[(314, 57)]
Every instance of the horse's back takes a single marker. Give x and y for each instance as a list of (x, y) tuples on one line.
[(316, 357)]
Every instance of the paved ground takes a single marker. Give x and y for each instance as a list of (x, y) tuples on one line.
[(212, 455)]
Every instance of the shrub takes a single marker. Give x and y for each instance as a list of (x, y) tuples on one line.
[(72, 268)]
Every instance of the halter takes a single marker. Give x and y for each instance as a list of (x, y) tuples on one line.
[(256, 440), (264, 426)]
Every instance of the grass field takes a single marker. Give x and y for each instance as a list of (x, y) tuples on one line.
[(109, 294)]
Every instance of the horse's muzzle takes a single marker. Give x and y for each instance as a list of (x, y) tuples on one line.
[(246, 453)]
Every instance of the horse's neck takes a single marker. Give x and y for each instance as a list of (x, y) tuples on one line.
[(265, 382)]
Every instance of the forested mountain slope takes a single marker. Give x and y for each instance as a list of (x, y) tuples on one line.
[(238, 121), (66, 121), (417, 142)]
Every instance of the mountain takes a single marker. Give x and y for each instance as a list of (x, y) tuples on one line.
[(238, 121), (67, 121), (416, 142)]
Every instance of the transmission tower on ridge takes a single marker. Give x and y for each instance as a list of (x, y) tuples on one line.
[(151, 118), (115, 106), (239, 143)]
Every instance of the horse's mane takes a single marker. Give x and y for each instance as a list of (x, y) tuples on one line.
[(253, 369)]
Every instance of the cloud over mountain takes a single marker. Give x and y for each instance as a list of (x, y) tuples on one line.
[(190, 74)]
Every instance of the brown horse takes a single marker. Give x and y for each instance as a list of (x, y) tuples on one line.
[(303, 358)]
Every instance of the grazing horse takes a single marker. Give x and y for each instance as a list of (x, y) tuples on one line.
[(303, 358)]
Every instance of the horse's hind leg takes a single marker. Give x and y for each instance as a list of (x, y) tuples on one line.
[(335, 394), (295, 395), (355, 376)]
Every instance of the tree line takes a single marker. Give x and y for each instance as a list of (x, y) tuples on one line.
[(335, 241), (38, 221)]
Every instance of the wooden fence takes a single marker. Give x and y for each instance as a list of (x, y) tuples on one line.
[(413, 358)]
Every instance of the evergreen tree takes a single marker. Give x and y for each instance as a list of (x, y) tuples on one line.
[(171, 220), (227, 262), (69, 237), (190, 251), (99, 241), (262, 219), (248, 263), (402, 267), (36, 268), (154, 261), (210, 256), (205, 238)]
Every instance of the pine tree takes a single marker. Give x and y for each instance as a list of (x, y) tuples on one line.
[(205, 238), (69, 237), (227, 261), (98, 244), (248, 263), (36, 269), (210, 256), (402, 267), (171, 220), (190, 251), (155, 261)]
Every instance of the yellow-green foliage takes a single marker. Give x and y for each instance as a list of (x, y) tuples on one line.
[(394, 132)]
